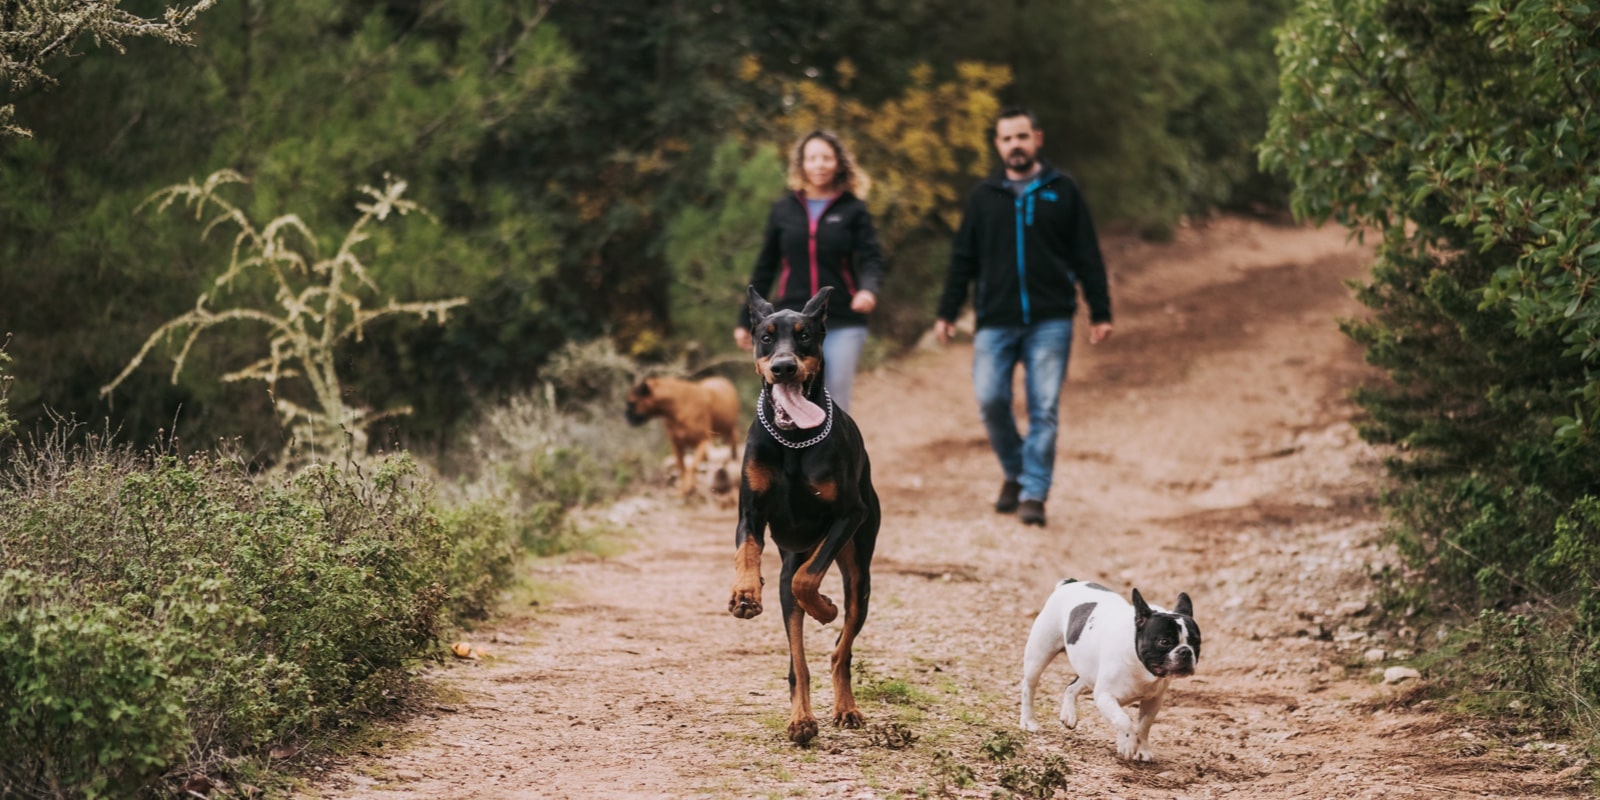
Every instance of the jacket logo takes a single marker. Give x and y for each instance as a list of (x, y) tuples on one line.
[(832, 218), (1048, 195)]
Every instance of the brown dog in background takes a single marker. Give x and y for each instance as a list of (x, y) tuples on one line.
[(694, 413)]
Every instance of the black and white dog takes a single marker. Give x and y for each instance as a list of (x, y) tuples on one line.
[(1123, 654)]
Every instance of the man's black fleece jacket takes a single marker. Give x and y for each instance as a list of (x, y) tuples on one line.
[(1027, 254)]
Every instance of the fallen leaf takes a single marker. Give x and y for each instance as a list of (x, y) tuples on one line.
[(283, 751), (464, 650)]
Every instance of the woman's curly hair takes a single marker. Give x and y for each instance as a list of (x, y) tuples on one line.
[(849, 177)]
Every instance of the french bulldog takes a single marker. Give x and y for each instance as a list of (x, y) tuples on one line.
[(1123, 653)]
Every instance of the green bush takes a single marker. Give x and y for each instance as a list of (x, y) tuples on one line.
[(483, 557), (93, 695), (301, 603), (1462, 133)]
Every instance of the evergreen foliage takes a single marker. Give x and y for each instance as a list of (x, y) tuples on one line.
[(571, 152), (305, 98)]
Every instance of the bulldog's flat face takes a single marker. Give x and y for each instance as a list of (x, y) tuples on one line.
[(1168, 642)]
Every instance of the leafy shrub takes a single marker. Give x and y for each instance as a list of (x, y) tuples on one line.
[(483, 557), (93, 695), (219, 612), (1462, 132)]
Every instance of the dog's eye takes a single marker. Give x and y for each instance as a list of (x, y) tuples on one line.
[(804, 336), (766, 338), (1164, 642)]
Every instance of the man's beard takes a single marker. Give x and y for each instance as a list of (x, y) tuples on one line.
[(1019, 161)]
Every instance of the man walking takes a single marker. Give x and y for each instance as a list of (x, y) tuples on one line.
[(1027, 239)]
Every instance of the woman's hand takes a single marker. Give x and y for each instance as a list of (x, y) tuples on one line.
[(741, 338), (863, 302)]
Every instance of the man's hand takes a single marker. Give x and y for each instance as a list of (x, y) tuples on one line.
[(863, 302), (741, 338), (944, 329), (1099, 332)]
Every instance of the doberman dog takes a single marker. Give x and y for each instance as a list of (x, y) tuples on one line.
[(806, 475), (694, 412)]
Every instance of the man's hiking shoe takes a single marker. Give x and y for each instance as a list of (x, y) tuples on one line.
[(1031, 512), (1007, 501)]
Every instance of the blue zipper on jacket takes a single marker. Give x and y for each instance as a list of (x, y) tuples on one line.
[(1025, 207)]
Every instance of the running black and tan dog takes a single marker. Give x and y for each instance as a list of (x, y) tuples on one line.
[(806, 476), (694, 413)]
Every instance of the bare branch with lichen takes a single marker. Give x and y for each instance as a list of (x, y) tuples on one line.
[(33, 32), (319, 304)]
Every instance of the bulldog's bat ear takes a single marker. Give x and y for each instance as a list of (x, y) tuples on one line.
[(760, 309), (1141, 610), (1184, 607), (817, 307)]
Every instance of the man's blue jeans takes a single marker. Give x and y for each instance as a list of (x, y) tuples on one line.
[(1042, 348)]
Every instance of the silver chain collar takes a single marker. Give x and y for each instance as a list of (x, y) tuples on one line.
[(827, 426)]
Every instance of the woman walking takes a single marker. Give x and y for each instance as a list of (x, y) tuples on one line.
[(820, 234)]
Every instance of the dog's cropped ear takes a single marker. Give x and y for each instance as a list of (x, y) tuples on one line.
[(1184, 607), (1141, 610), (760, 309), (817, 307), (642, 388)]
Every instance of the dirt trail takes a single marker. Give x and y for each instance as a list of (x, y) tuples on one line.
[(1206, 448)]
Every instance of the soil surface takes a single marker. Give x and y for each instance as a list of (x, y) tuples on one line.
[(1206, 448)]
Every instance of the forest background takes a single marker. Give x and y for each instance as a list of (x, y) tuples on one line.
[(595, 168), (590, 181)]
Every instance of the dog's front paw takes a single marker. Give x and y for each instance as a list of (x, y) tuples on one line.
[(1029, 725), (819, 606), (802, 730), (745, 603), (1127, 744), (848, 718), (1143, 753)]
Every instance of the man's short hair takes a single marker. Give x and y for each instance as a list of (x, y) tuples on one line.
[(1015, 111)]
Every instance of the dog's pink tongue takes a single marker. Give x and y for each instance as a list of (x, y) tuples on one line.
[(805, 413)]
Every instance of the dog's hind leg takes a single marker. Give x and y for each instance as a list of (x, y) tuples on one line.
[(802, 723), (1044, 644), (857, 589)]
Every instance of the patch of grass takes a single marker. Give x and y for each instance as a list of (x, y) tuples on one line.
[(971, 717), (869, 685)]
